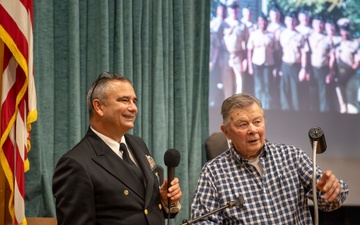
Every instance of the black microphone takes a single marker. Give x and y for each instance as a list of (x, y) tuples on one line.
[(171, 160), (317, 134)]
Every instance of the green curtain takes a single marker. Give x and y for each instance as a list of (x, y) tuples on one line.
[(162, 46)]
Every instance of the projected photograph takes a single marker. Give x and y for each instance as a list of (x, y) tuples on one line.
[(300, 55)]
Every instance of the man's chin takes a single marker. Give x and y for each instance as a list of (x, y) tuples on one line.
[(129, 125), (256, 145)]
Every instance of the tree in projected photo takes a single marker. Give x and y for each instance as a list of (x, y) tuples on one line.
[(300, 55)]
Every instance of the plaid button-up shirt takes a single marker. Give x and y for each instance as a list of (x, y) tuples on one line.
[(278, 196)]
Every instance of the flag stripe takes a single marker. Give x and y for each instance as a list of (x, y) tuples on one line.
[(20, 155), (14, 38), (18, 12), (9, 109), (18, 98), (13, 166), (5, 57)]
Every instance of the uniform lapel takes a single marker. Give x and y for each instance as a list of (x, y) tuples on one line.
[(144, 165), (107, 159)]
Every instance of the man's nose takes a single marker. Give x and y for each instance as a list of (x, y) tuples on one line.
[(132, 107), (252, 128)]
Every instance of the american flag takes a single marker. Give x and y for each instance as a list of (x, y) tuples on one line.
[(18, 98)]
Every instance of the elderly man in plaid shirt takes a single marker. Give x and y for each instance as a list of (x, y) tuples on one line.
[(275, 180)]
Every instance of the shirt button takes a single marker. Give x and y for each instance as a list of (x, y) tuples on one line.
[(160, 206), (126, 192), (146, 212)]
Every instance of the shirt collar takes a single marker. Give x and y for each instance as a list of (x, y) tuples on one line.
[(234, 154), (114, 145)]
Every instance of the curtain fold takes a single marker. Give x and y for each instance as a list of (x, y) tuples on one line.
[(162, 46)]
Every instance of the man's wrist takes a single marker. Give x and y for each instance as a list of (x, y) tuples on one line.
[(174, 207)]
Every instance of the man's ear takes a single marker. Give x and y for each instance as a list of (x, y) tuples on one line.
[(98, 107), (223, 129)]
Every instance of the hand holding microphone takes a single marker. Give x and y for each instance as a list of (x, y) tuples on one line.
[(170, 191)]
